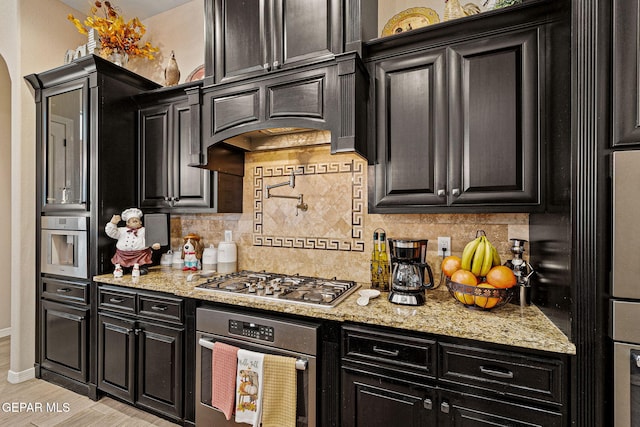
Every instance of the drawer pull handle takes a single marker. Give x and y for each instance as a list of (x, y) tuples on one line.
[(63, 290), (159, 307), (116, 300), (384, 352), (496, 373), (428, 404), (444, 407)]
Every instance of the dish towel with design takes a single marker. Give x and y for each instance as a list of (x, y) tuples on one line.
[(223, 382), (249, 387), (279, 391)]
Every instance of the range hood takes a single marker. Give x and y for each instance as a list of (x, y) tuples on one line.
[(320, 103)]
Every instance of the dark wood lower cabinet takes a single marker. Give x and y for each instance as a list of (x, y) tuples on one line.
[(141, 361), (64, 339), (371, 400), (160, 382), (461, 409), (116, 356), (400, 381)]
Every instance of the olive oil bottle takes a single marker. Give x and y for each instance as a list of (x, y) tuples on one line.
[(375, 277), (383, 264)]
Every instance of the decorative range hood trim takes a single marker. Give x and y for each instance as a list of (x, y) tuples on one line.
[(327, 96)]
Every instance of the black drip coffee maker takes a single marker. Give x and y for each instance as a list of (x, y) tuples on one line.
[(410, 273)]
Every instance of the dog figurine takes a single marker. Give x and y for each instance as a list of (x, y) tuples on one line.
[(192, 249)]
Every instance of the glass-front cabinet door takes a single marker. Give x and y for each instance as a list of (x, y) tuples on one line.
[(64, 172)]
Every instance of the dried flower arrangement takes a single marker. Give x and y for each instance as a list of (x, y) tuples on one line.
[(116, 35)]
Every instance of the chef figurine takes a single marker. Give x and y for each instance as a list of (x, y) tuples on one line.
[(131, 248)]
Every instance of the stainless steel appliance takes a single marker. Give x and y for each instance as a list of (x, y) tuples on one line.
[(410, 273), (290, 288), (625, 306), (264, 334), (63, 246)]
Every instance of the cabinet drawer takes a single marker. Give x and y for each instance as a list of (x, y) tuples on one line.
[(62, 290), (163, 308), (406, 354), (505, 372), (114, 299)]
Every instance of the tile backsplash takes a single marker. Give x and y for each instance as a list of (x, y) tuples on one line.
[(333, 237)]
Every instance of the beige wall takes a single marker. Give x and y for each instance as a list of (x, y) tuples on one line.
[(181, 30)]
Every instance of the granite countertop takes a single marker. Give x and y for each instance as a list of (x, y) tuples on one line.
[(441, 314)]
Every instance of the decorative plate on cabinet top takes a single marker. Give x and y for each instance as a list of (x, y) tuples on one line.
[(410, 19)]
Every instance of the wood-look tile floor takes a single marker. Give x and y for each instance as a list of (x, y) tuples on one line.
[(81, 411)]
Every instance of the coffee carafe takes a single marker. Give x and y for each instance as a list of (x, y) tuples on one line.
[(410, 273)]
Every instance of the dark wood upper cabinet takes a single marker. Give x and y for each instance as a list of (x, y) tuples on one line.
[(494, 120), (459, 126), (252, 37), (169, 143)]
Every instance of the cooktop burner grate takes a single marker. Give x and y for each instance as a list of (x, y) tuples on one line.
[(291, 288)]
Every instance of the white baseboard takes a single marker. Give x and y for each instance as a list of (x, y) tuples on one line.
[(18, 377), (5, 332)]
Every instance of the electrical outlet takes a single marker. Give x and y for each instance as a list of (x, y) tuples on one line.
[(444, 246)]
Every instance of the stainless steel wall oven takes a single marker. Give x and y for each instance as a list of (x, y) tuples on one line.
[(264, 334)]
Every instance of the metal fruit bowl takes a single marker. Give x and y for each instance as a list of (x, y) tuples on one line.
[(479, 298)]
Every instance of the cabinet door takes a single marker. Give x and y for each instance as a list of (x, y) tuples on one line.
[(494, 120), (160, 381), (190, 186), (154, 149), (305, 29), (626, 87), (242, 38), (371, 400), (64, 147), (411, 115), (64, 339), (116, 356), (461, 409)]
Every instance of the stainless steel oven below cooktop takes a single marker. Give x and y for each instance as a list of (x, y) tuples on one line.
[(282, 287)]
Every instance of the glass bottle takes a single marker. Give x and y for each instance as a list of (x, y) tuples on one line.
[(383, 263), (375, 277)]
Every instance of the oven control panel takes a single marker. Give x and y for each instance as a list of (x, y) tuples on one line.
[(251, 330)]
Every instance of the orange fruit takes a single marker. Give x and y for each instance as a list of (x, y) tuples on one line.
[(450, 265), (501, 276), (466, 278), (486, 302)]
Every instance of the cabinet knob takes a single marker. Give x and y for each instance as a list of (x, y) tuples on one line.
[(428, 404), (442, 192), (455, 192), (444, 407), (266, 66), (276, 65)]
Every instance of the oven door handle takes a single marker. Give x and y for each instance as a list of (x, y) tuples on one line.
[(301, 364)]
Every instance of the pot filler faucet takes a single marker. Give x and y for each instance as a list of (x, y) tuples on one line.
[(291, 183)]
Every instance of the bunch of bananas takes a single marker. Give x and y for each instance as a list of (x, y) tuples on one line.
[(479, 256)]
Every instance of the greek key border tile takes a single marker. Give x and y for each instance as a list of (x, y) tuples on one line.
[(356, 243)]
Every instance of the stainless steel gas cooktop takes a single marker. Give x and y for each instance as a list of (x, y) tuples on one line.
[(290, 288)]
